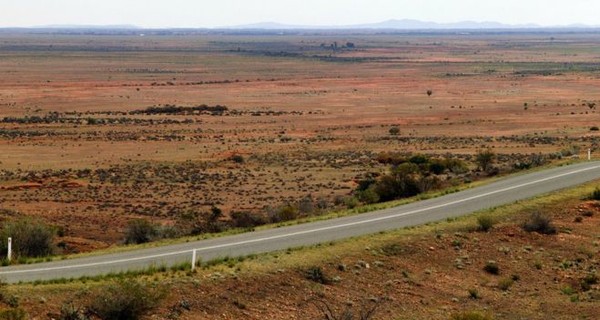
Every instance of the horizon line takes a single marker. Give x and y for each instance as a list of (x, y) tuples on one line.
[(272, 25)]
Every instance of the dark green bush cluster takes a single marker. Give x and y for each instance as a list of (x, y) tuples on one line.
[(52, 117), (173, 109), (192, 223), (30, 238), (410, 175), (595, 195), (244, 219)]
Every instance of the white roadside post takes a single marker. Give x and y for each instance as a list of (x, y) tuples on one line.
[(194, 260), (9, 253), (589, 154)]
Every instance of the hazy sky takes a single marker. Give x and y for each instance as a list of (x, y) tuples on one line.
[(214, 13)]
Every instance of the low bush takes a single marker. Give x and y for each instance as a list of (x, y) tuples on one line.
[(316, 274), (244, 219), (13, 314), (127, 300), (474, 294), (595, 195), (485, 223), (470, 315), (492, 267), (237, 158), (588, 281), (505, 284), (30, 238), (285, 213), (539, 223), (68, 311), (140, 231), (364, 310)]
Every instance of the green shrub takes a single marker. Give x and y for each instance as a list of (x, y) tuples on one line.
[(436, 166), (30, 238), (567, 290), (595, 194), (539, 223), (68, 311), (13, 314), (237, 158), (140, 231), (492, 267), (245, 219), (285, 213), (394, 131), (368, 196), (474, 294), (419, 159), (10, 299), (351, 202), (505, 284), (485, 159), (588, 281), (470, 315), (485, 223), (127, 300)]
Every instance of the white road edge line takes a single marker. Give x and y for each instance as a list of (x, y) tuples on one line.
[(299, 232)]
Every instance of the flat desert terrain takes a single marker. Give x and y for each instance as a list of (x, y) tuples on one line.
[(98, 130)]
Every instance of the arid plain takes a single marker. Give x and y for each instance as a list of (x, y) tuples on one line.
[(307, 114), (97, 131)]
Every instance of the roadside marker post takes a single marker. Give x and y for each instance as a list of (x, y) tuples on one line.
[(194, 260), (589, 154), (9, 253)]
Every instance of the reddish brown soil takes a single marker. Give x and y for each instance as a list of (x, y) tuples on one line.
[(332, 115), (424, 276)]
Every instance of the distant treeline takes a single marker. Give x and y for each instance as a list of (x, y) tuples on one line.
[(179, 110)]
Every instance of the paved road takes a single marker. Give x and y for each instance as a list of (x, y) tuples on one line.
[(501, 192)]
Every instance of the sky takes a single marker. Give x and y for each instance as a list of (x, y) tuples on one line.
[(219, 13)]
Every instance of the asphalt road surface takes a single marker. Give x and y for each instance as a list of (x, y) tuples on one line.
[(504, 191)]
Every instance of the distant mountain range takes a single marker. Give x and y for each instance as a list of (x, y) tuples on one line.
[(405, 24), (91, 26)]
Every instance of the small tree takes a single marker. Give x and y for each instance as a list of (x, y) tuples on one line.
[(485, 159), (429, 93), (237, 158), (394, 131)]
